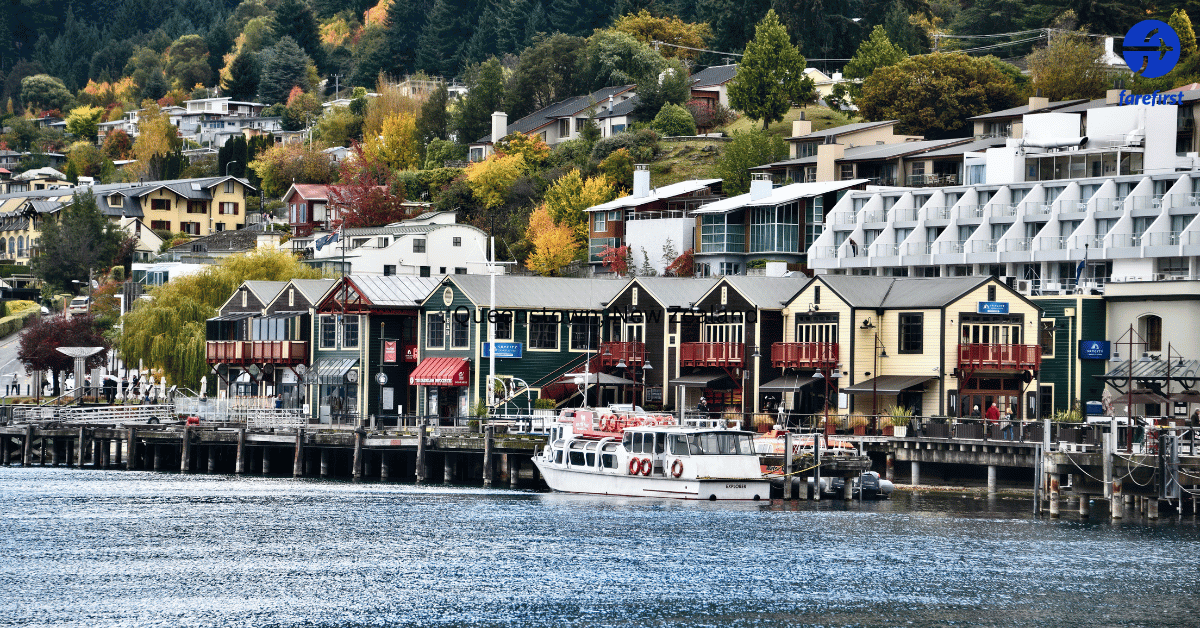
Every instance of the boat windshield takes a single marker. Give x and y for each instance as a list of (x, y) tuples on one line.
[(712, 444)]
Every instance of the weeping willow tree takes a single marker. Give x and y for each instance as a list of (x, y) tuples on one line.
[(167, 332)]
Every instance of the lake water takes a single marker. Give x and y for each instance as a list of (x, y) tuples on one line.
[(114, 548)]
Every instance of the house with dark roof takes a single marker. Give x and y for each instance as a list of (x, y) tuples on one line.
[(1009, 122), (939, 346), (560, 121), (212, 248), (711, 84), (433, 243)]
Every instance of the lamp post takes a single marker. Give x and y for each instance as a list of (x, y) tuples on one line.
[(880, 352), (646, 379), (621, 365), (227, 165), (1127, 339)]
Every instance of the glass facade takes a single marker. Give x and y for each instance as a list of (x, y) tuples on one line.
[(718, 235), (775, 229)]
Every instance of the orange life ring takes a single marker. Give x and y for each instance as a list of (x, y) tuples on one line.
[(677, 468), (647, 466), (634, 466)]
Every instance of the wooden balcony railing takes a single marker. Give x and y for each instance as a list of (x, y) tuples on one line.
[(804, 355), (631, 353), (712, 354), (999, 357), (256, 352)]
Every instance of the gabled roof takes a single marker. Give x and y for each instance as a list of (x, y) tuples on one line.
[(673, 291), (568, 107), (623, 108), (310, 191), (715, 75), (842, 130), (394, 290), (900, 292), (657, 194), (313, 289), (1017, 112), (768, 293), (266, 291), (223, 241), (552, 293), (785, 194)]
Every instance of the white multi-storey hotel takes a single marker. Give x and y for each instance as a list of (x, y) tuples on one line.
[(1103, 186)]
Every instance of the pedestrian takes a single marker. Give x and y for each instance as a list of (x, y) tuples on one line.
[(1007, 425), (975, 411), (702, 408), (15, 387), (278, 401)]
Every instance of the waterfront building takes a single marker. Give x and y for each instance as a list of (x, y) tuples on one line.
[(940, 346), (1072, 333), (233, 349)]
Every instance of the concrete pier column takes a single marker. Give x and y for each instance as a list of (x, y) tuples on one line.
[(324, 463), (890, 471), (1053, 483), (239, 464), (54, 452), (1085, 507), (4, 444), (916, 473), (298, 456), (157, 456), (185, 457), (131, 461), (991, 478), (514, 470), (1152, 508), (488, 468), (82, 444), (848, 489), (358, 444), (27, 459), (447, 468), (787, 466), (98, 453), (266, 460), (1116, 504), (420, 468), (385, 467), (212, 452), (117, 446), (42, 445)]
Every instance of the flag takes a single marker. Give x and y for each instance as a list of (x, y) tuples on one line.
[(1079, 270), (328, 239)]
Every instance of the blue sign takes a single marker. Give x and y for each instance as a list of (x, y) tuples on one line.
[(1094, 349), (1143, 48), (993, 307), (504, 349)]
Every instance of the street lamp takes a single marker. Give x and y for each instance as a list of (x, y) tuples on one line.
[(621, 365), (227, 165), (1129, 383), (646, 379), (880, 352)]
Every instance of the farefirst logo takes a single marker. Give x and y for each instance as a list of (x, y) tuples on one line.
[(1150, 99), (1146, 56)]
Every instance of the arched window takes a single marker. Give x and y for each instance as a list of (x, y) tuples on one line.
[(12, 248), (1150, 326), (3, 247), (20, 246)]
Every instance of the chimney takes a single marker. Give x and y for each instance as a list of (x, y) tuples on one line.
[(761, 185), (610, 102), (1113, 96), (641, 181), (801, 127), (1037, 101), (499, 126)]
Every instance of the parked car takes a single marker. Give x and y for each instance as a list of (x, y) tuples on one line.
[(79, 305)]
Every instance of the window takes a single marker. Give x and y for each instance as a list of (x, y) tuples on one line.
[(775, 229), (543, 332), (328, 332), (806, 149), (585, 332), (912, 333), (1046, 337), (220, 226), (419, 245), (459, 270), (847, 172), (389, 270), (504, 327), (229, 187), (228, 208), (161, 224), (601, 222), (817, 328), (424, 271), (718, 236), (350, 332), (197, 207), (1151, 328), (435, 330), (457, 241), (190, 228), (460, 330), (442, 270), (730, 268), (160, 204)]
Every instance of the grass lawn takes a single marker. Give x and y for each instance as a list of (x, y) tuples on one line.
[(821, 117), (689, 159)]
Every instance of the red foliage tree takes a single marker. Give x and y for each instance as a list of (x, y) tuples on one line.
[(40, 339), (616, 259), (683, 266), (369, 195)]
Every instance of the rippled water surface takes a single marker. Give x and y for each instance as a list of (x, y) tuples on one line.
[(113, 548)]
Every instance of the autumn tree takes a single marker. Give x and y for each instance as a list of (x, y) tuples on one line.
[(617, 259), (187, 62), (571, 195), (1069, 67), (86, 160), (618, 169), (84, 123), (491, 178), (283, 164), (39, 343), (369, 194), (1182, 24), (532, 149), (934, 94), (167, 332), (649, 29), (75, 242), (554, 245), (771, 75), (157, 140), (396, 145), (117, 144)]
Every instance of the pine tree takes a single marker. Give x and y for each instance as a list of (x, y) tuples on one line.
[(405, 23), (244, 76), (286, 68), (511, 29), (443, 39), (483, 42), (433, 123), (771, 75), (295, 20), (473, 118), (537, 23)]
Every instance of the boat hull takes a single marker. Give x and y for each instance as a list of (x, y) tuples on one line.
[(593, 483)]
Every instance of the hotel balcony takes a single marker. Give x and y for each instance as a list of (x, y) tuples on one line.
[(242, 352), (631, 353), (712, 354), (988, 357), (804, 355)]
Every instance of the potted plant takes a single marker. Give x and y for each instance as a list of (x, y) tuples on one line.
[(859, 423), (898, 418)]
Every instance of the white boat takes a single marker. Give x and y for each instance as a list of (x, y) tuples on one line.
[(644, 455)]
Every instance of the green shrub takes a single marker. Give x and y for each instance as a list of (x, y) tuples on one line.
[(674, 121), (642, 145), (16, 307), (8, 270), (544, 404), (425, 185), (17, 322)]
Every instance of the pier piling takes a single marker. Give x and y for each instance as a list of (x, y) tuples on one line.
[(385, 468), (266, 460), (298, 456), (185, 456), (27, 459), (324, 463), (1053, 484), (447, 468), (131, 462), (419, 472), (890, 472), (357, 463), (916, 473), (1116, 503), (487, 455), (991, 478), (239, 465), (82, 443)]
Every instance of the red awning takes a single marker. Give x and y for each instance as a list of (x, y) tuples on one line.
[(441, 372)]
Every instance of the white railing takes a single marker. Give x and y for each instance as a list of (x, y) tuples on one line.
[(94, 415), (970, 211), (939, 213)]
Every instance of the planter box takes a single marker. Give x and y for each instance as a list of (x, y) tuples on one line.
[(937, 430), (889, 431), (860, 430), (900, 431)]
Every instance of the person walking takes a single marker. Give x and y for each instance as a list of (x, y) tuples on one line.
[(702, 408), (991, 417), (1007, 425)]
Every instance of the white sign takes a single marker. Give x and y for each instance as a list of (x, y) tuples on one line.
[(388, 397)]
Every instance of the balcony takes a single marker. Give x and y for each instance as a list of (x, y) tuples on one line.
[(712, 354), (990, 357), (631, 353), (242, 352), (804, 355)]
